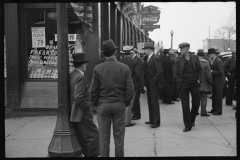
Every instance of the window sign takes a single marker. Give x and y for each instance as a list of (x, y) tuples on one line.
[(71, 37), (38, 37)]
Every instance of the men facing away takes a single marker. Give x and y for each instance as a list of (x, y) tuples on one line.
[(140, 88), (206, 83), (154, 81), (218, 79), (230, 70), (187, 72), (112, 91), (135, 75), (81, 115), (168, 90)]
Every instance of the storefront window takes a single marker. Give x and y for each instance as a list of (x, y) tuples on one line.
[(41, 30)]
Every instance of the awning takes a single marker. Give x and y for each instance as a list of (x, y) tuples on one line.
[(131, 34)]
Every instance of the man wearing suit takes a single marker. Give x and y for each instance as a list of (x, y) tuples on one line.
[(218, 79), (135, 75), (81, 115), (230, 70), (168, 90), (187, 72), (140, 88), (111, 92), (154, 81)]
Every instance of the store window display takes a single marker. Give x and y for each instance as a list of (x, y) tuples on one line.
[(41, 30)]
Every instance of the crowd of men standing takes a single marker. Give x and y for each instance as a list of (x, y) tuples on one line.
[(117, 85)]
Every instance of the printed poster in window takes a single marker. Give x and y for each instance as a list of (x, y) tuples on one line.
[(38, 37)]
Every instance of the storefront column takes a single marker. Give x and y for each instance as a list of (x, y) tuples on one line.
[(119, 33), (12, 55), (105, 30), (113, 22)]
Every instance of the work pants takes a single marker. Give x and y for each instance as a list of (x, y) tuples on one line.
[(87, 134), (217, 93), (153, 105), (115, 112), (189, 116), (128, 110), (231, 85), (203, 98), (136, 105)]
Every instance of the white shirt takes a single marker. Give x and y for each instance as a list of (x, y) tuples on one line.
[(134, 56), (149, 57), (80, 71)]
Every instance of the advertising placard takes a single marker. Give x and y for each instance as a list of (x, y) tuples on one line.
[(38, 37), (71, 37)]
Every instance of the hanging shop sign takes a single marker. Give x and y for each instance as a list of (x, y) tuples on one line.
[(150, 27), (38, 37), (71, 37), (150, 15)]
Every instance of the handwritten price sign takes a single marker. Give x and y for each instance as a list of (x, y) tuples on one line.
[(38, 37), (71, 37)]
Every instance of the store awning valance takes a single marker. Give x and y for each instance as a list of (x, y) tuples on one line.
[(131, 34)]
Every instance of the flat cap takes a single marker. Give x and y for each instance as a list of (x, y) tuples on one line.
[(184, 44)]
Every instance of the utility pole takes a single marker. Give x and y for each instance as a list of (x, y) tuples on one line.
[(209, 37)]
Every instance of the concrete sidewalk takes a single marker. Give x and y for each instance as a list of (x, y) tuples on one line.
[(212, 136)]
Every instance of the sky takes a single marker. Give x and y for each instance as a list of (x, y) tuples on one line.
[(191, 22)]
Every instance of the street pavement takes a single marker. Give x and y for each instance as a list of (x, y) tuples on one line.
[(211, 136)]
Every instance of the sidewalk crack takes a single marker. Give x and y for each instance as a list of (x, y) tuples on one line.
[(155, 144)]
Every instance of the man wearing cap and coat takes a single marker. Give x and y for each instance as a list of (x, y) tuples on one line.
[(187, 72), (135, 75), (206, 83), (154, 81), (168, 90), (80, 111), (218, 81), (111, 92)]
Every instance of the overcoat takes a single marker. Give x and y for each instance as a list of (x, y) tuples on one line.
[(168, 76), (218, 75), (206, 84)]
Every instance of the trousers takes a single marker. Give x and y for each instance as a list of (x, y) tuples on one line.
[(189, 116), (203, 99), (217, 94), (136, 105), (128, 114), (231, 85), (115, 112), (87, 134)]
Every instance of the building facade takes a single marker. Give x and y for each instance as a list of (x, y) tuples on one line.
[(30, 29), (220, 45)]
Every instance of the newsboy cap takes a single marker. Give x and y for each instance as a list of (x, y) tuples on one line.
[(200, 52), (184, 44), (165, 51)]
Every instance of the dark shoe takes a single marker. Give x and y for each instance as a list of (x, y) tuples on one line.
[(197, 113), (234, 107), (229, 104), (170, 103), (187, 129), (210, 97), (193, 124), (176, 100), (155, 125), (129, 125), (212, 111), (216, 113), (148, 122), (205, 115), (135, 118)]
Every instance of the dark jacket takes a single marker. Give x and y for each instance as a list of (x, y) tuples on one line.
[(179, 68), (206, 83), (135, 70), (168, 76), (79, 94), (156, 70), (230, 65), (218, 76), (111, 83), (140, 66)]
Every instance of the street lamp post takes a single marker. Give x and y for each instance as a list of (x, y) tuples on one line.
[(171, 37)]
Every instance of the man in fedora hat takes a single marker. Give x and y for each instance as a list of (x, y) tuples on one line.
[(206, 83), (135, 75), (168, 90), (80, 113), (218, 81), (140, 87), (111, 93), (154, 81), (187, 72)]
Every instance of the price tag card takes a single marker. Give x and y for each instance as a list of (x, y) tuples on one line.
[(38, 37)]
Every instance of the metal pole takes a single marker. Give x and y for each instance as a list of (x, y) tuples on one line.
[(209, 37), (64, 142), (171, 40)]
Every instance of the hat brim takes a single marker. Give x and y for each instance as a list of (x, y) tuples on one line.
[(79, 61), (148, 48), (109, 50)]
